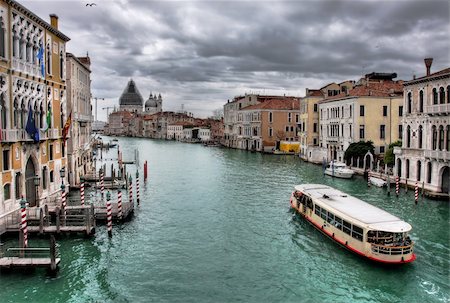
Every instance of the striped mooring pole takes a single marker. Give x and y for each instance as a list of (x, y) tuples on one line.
[(119, 205), (63, 200), (23, 221), (130, 189), (416, 193), (397, 186), (82, 191), (137, 187), (109, 213), (368, 178), (102, 183)]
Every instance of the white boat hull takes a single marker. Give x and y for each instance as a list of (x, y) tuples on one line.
[(377, 182), (338, 174)]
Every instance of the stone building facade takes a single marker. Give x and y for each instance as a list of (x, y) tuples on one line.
[(425, 153)]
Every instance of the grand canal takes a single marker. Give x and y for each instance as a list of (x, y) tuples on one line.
[(214, 226)]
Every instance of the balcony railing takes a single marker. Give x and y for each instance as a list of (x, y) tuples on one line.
[(437, 154), (438, 109), (392, 250), (15, 135), (83, 117)]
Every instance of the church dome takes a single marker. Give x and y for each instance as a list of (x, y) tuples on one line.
[(131, 95), (151, 102)]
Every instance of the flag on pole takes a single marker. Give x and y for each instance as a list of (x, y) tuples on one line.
[(40, 57), (31, 127), (65, 130), (48, 121)]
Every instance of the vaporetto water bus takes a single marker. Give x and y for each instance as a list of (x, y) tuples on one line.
[(357, 225)]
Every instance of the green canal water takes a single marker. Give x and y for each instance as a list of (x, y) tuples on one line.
[(214, 225)]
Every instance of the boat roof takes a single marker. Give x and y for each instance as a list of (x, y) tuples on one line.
[(371, 216)]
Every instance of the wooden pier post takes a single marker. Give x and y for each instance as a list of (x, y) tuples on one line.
[(130, 190), (52, 253), (88, 220), (388, 181), (406, 185), (41, 221), (58, 219), (102, 184), (368, 178), (423, 189), (145, 170)]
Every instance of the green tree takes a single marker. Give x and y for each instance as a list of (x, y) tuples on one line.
[(389, 155), (358, 149)]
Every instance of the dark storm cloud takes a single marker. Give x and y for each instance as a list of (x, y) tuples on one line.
[(202, 53)]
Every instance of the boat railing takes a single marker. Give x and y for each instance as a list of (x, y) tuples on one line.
[(392, 250)]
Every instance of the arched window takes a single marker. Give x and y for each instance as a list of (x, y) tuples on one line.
[(419, 170), (7, 191), (3, 114), (49, 60), (447, 140), (62, 116), (36, 113), (399, 167), (61, 65), (441, 137), (420, 136), (421, 101), (448, 93), (50, 121), (435, 96), (17, 185), (409, 100), (23, 114), (434, 138), (44, 177), (2, 38), (429, 171), (16, 113), (407, 169), (41, 116), (441, 95), (408, 136), (21, 46)]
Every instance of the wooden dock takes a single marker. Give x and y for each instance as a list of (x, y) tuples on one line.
[(31, 257), (127, 211)]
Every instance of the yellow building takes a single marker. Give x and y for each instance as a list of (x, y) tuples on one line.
[(372, 110), (32, 91), (309, 117), (262, 127)]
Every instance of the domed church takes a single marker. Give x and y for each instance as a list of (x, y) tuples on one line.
[(153, 104), (131, 99)]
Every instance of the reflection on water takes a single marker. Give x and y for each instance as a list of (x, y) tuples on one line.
[(214, 226)]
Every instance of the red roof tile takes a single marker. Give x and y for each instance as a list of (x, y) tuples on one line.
[(373, 89), (438, 73), (283, 104)]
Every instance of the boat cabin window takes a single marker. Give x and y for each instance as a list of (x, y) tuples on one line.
[(330, 218), (317, 210), (388, 238), (357, 232), (347, 227), (323, 214)]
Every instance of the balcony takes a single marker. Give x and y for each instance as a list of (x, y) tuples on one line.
[(438, 109), (15, 135), (440, 155), (53, 133), (82, 117)]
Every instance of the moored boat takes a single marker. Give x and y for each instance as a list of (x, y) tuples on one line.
[(339, 170), (357, 225), (377, 181)]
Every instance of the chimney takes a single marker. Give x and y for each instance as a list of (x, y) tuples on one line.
[(54, 21), (428, 62)]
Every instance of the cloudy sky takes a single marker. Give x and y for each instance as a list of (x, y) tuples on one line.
[(201, 53)]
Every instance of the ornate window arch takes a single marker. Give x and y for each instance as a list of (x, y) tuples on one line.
[(48, 58), (421, 101), (441, 95), (2, 37), (408, 136), (3, 111), (420, 136), (435, 96), (409, 102)]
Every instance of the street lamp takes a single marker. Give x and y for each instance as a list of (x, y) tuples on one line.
[(108, 196), (37, 180), (62, 173), (23, 202)]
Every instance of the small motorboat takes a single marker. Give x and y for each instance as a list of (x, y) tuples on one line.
[(339, 170), (377, 181)]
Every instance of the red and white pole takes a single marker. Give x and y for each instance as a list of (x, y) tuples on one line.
[(82, 191), (23, 221), (63, 200), (368, 178), (397, 186), (130, 189), (137, 187), (119, 205), (416, 193), (102, 184), (109, 213)]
